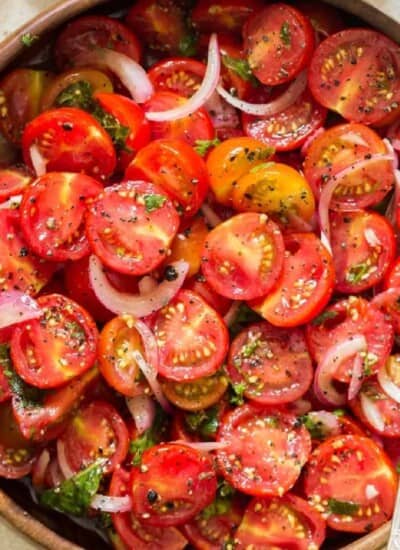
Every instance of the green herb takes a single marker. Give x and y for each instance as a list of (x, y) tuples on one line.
[(398, 467), (342, 507), (118, 132), (153, 202), (317, 429), (339, 412), (357, 273), (203, 145), (188, 45), (325, 316), (285, 34), (241, 67), (76, 332), (203, 422), (149, 438), (222, 502), (243, 317), (75, 494), (250, 348), (28, 39), (236, 393)]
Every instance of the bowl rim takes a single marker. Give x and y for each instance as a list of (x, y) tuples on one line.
[(47, 20)]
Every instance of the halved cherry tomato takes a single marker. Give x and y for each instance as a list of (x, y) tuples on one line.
[(47, 419), (198, 394), (273, 364), (98, 80), (305, 286), (17, 455), (161, 25), (277, 190), (348, 317), (337, 479), (197, 126), (96, 431), (52, 215), (94, 31), (133, 533), (339, 148), (117, 340), (188, 244), (20, 94), (181, 75), (199, 285), (71, 140), (356, 72), (243, 256), (231, 160), (266, 449), (131, 225), (289, 128), (14, 180), (363, 246), (172, 485), (392, 277), (278, 41), (192, 338), (289, 522), (61, 345), (223, 15), (130, 116), (19, 268), (177, 168)]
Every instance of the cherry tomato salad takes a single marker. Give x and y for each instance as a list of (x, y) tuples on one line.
[(200, 278)]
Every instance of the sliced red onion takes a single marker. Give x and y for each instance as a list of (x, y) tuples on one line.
[(200, 97), (371, 491), (310, 139), (392, 133), (17, 307), (222, 114), (147, 284), (11, 203), (130, 73), (327, 419), (113, 505), (354, 139), (356, 379), (212, 219), (39, 163), (151, 378), (372, 238), (65, 468), (329, 188), (56, 476), (203, 446), (285, 100), (391, 151), (372, 413), (387, 384), (230, 315), (143, 411), (333, 358), (138, 305), (40, 467), (299, 224)]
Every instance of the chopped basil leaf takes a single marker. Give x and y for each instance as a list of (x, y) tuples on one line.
[(285, 34), (317, 429), (203, 145), (236, 393), (153, 202), (203, 422), (398, 467), (250, 348), (358, 272), (241, 67), (28, 39), (342, 507), (222, 502), (188, 45), (339, 412), (325, 316), (75, 494), (149, 438)]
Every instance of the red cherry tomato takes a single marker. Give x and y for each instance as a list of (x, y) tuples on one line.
[(181, 75), (14, 180)]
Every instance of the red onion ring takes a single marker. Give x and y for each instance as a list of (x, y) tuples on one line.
[(371, 413), (147, 284), (354, 139), (113, 505), (39, 163), (285, 100), (333, 358), (310, 139), (138, 305), (327, 419), (212, 219), (356, 379), (40, 467), (65, 468), (143, 411), (230, 315), (387, 384), (203, 446), (202, 95), (17, 307)]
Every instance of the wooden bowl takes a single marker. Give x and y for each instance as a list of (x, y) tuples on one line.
[(15, 503)]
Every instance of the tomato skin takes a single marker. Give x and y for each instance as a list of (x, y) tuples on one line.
[(200, 286), (192, 338), (348, 317), (334, 150), (180, 75), (351, 250), (278, 41), (392, 277), (305, 286), (188, 244), (369, 62), (197, 126), (90, 31), (129, 114), (223, 15), (61, 345), (288, 522), (346, 458), (197, 395), (71, 140), (243, 256), (248, 431), (17, 455), (14, 180), (20, 93), (177, 168), (273, 364), (128, 236), (176, 473)]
